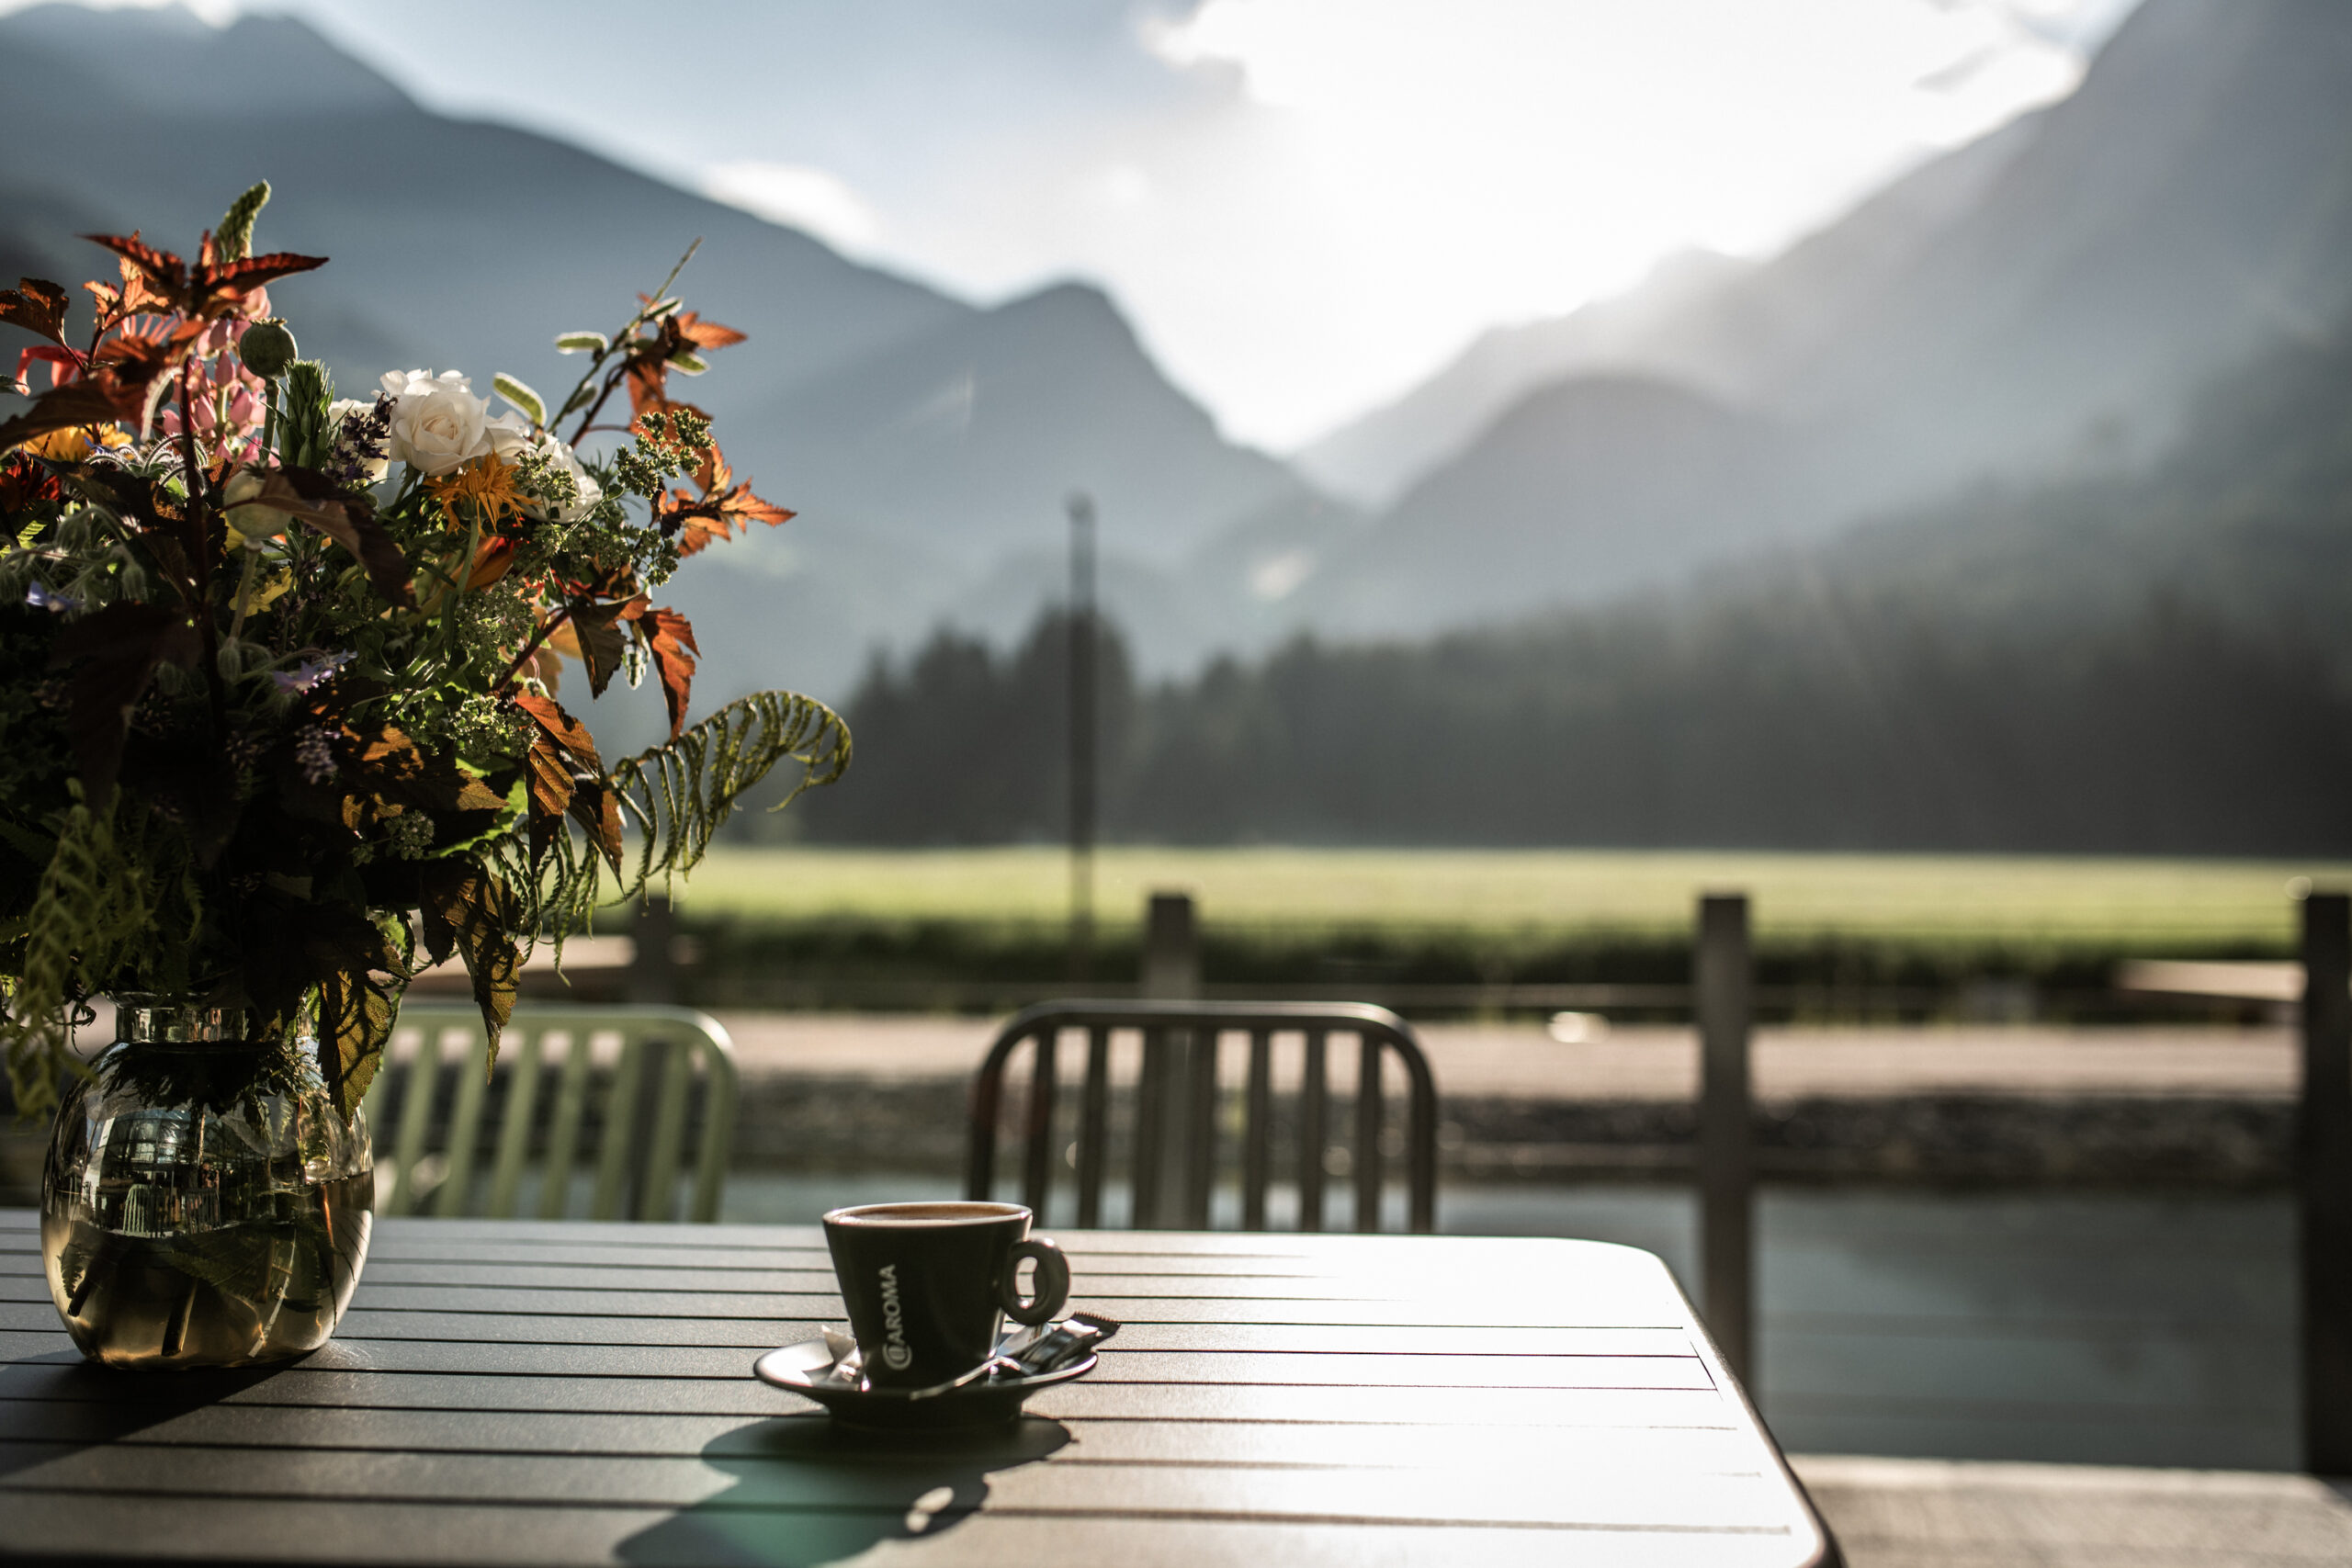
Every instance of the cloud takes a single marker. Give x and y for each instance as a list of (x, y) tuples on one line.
[(795, 194)]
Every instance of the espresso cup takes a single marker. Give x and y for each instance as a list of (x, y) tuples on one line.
[(927, 1285)]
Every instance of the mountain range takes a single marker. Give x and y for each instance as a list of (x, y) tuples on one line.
[(928, 444), (2044, 300), (2040, 304)]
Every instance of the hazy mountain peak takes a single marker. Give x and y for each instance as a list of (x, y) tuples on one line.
[(167, 60)]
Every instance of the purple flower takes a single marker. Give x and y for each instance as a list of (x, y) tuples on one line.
[(40, 598), (314, 753), (309, 672)]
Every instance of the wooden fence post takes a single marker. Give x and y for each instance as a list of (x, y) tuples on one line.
[(653, 970), (1171, 972), (1722, 980), (2323, 1183)]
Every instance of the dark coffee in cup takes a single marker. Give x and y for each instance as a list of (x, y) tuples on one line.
[(928, 1284)]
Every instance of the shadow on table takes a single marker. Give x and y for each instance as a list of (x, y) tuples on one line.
[(807, 1492), (62, 1405)]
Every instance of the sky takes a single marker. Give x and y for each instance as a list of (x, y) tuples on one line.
[(1304, 206)]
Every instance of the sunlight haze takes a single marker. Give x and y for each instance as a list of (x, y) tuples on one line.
[(1304, 206)]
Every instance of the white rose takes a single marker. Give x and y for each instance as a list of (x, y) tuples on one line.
[(511, 438), (437, 422)]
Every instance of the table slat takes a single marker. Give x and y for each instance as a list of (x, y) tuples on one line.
[(530, 1391)]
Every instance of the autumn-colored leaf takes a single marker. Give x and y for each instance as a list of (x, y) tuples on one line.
[(115, 650), (491, 562), (597, 635), (60, 408), (316, 503), (137, 295), (355, 1017), (210, 289), (163, 270), (38, 306), (469, 911), (24, 480), (670, 638), (399, 770), (243, 276), (596, 809), (648, 383), (702, 333), (723, 507), (548, 779), (564, 747), (566, 731), (134, 368)]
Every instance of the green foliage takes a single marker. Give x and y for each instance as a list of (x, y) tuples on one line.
[(309, 429), (270, 699), (234, 239), (675, 797), (108, 905)]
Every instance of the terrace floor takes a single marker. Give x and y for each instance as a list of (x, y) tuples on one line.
[(1900, 1513)]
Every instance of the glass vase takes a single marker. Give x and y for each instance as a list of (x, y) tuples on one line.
[(204, 1202)]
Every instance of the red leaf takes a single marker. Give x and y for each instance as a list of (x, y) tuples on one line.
[(164, 270), (595, 807), (566, 731), (594, 627), (670, 638), (722, 507), (233, 280), (469, 911), (649, 384), (136, 297), (704, 334), (37, 305), (581, 783), (60, 408)]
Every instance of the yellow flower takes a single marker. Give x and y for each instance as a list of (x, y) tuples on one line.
[(73, 444), (488, 483), (264, 594)]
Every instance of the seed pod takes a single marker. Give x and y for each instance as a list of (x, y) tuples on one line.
[(268, 348)]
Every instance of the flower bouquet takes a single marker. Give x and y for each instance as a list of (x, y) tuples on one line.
[(279, 669)]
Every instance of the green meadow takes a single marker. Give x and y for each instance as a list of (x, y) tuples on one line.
[(2109, 905)]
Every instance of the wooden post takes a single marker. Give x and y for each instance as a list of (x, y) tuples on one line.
[(2323, 1183), (653, 971), (1722, 980), (1082, 649), (1171, 972), (1171, 949)]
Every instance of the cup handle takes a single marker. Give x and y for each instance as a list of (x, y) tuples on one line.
[(1053, 1282)]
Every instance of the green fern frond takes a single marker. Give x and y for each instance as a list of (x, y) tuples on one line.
[(92, 909), (675, 797)]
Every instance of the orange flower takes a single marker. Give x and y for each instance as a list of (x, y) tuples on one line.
[(486, 482)]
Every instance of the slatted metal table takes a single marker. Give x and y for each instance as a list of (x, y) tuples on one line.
[(529, 1393)]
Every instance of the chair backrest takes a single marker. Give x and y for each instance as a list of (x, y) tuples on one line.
[(1178, 1112), (638, 1125)]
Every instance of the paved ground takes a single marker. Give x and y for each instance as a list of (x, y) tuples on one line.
[(1893, 1513), (1648, 1063)]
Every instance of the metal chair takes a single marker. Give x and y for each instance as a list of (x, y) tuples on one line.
[(1173, 1137), (640, 1129)]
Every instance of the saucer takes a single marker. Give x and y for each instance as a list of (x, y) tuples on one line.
[(990, 1402)]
